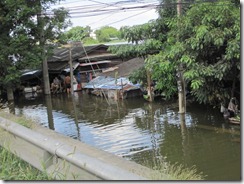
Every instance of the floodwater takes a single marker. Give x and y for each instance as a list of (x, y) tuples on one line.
[(144, 132)]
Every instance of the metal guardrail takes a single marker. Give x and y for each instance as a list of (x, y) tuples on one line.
[(57, 158)]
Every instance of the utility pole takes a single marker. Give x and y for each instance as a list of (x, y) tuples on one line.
[(71, 70), (180, 79), (70, 47), (46, 82)]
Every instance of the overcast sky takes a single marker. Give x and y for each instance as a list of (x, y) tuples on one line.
[(115, 13)]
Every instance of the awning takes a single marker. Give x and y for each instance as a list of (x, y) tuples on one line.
[(31, 74)]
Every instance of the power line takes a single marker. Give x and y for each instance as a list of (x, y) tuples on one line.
[(100, 8), (102, 19), (85, 9), (122, 19), (119, 4), (95, 12)]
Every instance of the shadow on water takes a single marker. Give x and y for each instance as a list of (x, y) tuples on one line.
[(144, 132)]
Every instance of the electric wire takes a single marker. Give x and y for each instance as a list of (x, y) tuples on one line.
[(99, 20), (123, 19), (101, 8), (98, 11)]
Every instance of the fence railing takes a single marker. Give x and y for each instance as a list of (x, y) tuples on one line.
[(62, 160)]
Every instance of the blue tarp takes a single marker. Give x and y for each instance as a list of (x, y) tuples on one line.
[(103, 82)]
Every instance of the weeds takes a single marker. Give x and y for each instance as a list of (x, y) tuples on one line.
[(13, 168), (18, 119), (179, 172), (165, 170)]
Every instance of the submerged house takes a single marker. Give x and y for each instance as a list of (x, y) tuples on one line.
[(113, 88), (86, 60), (114, 83)]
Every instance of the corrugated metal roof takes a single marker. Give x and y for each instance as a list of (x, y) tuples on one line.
[(103, 82), (62, 54), (30, 74), (125, 68)]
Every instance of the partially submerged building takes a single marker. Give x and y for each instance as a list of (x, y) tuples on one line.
[(114, 83), (86, 60), (99, 71), (117, 88)]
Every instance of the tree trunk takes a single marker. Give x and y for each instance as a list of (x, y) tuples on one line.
[(233, 83)]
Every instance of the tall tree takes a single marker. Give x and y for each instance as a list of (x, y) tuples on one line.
[(77, 33), (106, 34), (21, 31), (205, 40), (208, 48)]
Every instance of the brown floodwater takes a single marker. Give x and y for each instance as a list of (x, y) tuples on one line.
[(144, 132)]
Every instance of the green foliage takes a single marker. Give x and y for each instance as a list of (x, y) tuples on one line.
[(150, 46), (77, 33), (163, 72), (205, 34), (21, 25), (139, 76), (173, 171), (205, 40), (180, 172), (89, 41), (106, 34)]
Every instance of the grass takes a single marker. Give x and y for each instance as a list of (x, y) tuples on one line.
[(173, 171), (18, 119), (179, 172), (13, 168)]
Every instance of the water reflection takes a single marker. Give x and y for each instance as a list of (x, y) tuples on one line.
[(144, 132), (49, 111)]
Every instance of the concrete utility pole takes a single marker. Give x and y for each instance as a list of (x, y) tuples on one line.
[(180, 79), (43, 55), (71, 69), (70, 47)]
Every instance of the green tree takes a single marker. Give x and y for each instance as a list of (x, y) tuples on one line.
[(205, 40), (77, 33), (89, 41), (23, 24), (208, 46), (106, 34)]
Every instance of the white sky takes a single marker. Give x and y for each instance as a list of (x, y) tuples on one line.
[(109, 12)]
